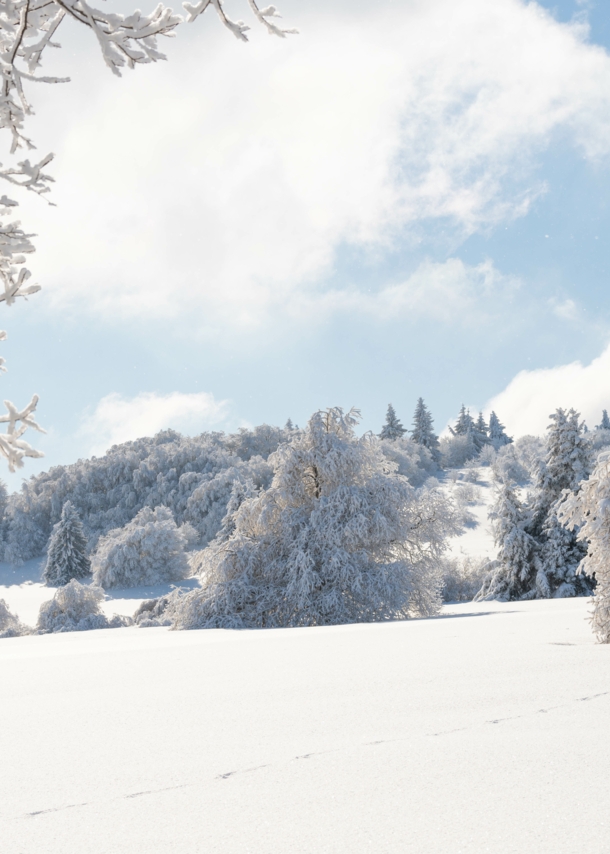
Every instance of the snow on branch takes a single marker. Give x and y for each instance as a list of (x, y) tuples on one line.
[(12, 446)]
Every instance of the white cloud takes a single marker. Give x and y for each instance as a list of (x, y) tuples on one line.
[(118, 419), (448, 292), (528, 400), (224, 181)]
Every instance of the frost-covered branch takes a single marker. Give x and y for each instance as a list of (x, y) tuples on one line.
[(12, 446)]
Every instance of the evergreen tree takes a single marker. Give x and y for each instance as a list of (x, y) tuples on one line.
[(66, 552), (464, 423), (289, 425), (605, 423), (588, 513), (423, 432), (496, 432), (511, 576), (565, 466), (480, 433), (392, 429)]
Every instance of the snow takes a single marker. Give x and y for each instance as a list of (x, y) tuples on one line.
[(477, 539), (483, 730)]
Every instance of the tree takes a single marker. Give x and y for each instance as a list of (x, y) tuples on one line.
[(605, 422), (27, 29), (496, 432), (148, 550), (338, 537), (587, 512), (510, 578), (566, 464), (423, 432), (392, 429), (76, 608), (67, 550), (464, 423)]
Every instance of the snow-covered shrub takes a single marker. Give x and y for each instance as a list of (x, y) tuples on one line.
[(338, 537), (67, 550), (415, 462), (463, 577), (588, 512), (507, 468), (148, 550), (488, 455), (456, 451), (153, 613), (472, 473), (467, 493), (10, 626), (76, 608)]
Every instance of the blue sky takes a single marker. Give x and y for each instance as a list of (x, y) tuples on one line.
[(404, 201)]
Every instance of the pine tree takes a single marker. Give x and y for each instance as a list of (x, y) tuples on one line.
[(496, 432), (480, 433), (423, 432), (605, 422), (512, 574), (392, 429), (464, 423), (67, 550), (566, 465)]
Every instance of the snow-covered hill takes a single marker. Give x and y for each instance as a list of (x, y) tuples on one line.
[(484, 730)]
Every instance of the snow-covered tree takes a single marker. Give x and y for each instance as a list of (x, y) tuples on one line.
[(338, 537), (496, 432), (67, 550), (605, 422), (76, 608), (587, 512), (27, 29), (511, 575), (464, 424), (423, 430), (392, 429), (480, 433), (457, 450), (148, 550), (10, 625), (566, 464)]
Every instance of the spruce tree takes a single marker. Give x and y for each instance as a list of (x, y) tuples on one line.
[(66, 551), (464, 423), (511, 576), (566, 465), (480, 433), (496, 432), (605, 423), (392, 429), (423, 432)]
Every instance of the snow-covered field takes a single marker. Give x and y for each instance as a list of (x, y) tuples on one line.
[(483, 730)]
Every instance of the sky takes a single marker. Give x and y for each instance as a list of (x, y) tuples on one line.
[(406, 199)]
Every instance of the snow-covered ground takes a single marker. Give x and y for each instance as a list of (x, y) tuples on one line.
[(483, 730), (477, 539)]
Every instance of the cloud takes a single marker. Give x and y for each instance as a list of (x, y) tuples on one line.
[(528, 400), (118, 419), (447, 292), (223, 182)]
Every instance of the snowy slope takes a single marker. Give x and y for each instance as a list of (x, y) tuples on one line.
[(481, 731), (477, 539)]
